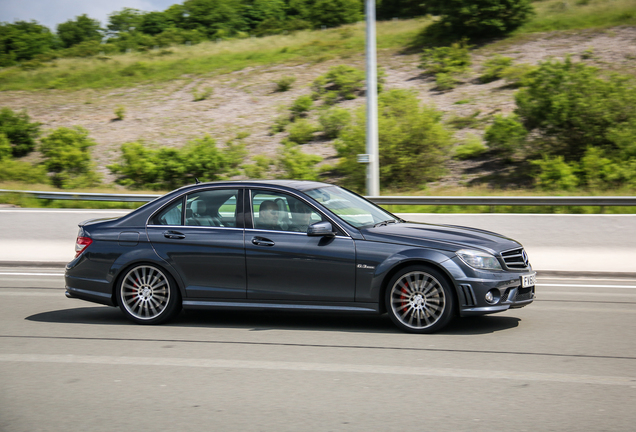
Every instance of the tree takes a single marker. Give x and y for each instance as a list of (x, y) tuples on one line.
[(479, 18), (333, 13), (67, 157), (19, 130), (153, 23), (82, 29), (216, 18), (389, 9), (21, 40), (125, 20), (257, 11)]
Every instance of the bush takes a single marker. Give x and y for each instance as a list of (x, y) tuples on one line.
[(494, 68), (295, 164), (21, 171), (301, 131), (120, 112), (333, 120), (301, 106), (169, 168), (67, 157), (519, 75), (479, 18), (471, 148), (413, 143), (20, 131), (341, 81), (570, 107), (280, 123), (285, 83), (5, 147), (446, 81), (447, 60), (259, 168), (506, 135), (203, 94), (556, 174)]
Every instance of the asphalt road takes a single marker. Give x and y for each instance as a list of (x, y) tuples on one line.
[(565, 363)]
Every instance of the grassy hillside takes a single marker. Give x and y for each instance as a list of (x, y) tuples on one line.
[(159, 88)]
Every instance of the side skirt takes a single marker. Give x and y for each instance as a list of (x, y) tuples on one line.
[(372, 308)]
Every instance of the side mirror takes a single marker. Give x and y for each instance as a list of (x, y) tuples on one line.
[(321, 229)]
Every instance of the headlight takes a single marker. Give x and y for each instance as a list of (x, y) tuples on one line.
[(478, 259)]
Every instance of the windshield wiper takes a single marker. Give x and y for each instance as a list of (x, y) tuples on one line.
[(386, 222)]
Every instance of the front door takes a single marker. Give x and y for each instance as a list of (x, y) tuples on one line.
[(284, 263)]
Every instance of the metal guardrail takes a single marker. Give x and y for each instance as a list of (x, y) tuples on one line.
[(385, 200)]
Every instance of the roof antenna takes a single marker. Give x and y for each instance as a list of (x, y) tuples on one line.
[(197, 180)]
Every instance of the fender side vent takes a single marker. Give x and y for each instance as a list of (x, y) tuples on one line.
[(468, 294)]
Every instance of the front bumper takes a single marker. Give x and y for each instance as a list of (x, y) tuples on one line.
[(505, 286)]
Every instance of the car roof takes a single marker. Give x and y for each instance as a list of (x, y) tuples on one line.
[(292, 184)]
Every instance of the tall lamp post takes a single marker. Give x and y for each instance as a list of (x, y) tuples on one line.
[(372, 157)]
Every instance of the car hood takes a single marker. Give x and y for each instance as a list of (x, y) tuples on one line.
[(446, 237)]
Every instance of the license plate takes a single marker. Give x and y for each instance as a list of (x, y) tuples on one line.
[(528, 280)]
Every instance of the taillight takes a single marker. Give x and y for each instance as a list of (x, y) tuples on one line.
[(81, 244)]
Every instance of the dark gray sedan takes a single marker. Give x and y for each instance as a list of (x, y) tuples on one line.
[(293, 245)]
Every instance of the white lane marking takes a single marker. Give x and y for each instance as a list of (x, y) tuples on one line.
[(583, 294), (574, 285), (321, 367), (575, 278), (30, 294), (61, 211), (30, 274)]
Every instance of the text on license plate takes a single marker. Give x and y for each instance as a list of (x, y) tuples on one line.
[(528, 280)]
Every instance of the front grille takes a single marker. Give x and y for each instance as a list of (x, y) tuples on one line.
[(505, 295), (515, 258), (524, 294)]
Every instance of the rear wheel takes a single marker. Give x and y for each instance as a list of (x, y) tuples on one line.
[(148, 295), (419, 300)]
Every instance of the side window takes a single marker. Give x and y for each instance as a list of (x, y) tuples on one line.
[(171, 215), (281, 212), (215, 208)]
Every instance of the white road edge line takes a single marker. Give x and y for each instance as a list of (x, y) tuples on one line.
[(30, 274), (321, 367), (586, 286)]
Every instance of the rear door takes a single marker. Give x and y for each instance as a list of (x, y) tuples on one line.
[(205, 247)]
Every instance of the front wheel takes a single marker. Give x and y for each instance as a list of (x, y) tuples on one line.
[(419, 300), (147, 295)]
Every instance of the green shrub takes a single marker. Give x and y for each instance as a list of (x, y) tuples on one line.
[(301, 131), (280, 123), (295, 164), (343, 80), (5, 147), (446, 60), (412, 139), (446, 81), (285, 83), (471, 148), (479, 18), (556, 174), (202, 94), (519, 75), (572, 106), (301, 106), (67, 157), (120, 112), (506, 135), (469, 121), (259, 168), (169, 168), (20, 131), (333, 120), (21, 171), (494, 68)]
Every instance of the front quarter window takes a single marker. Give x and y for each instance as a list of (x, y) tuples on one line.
[(351, 208), (171, 215)]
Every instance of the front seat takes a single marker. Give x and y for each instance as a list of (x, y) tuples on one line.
[(199, 209)]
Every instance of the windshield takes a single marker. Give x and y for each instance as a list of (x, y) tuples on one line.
[(350, 207)]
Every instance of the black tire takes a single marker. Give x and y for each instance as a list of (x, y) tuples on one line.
[(419, 300), (147, 294)]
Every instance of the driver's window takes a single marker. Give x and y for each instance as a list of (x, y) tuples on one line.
[(281, 212)]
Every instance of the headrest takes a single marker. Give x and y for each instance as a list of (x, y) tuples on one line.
[(199, 207)]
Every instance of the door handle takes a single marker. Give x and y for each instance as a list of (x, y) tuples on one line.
[(173, 235), (261, 241)]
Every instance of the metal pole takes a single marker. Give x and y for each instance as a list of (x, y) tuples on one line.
[(373, 167)]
